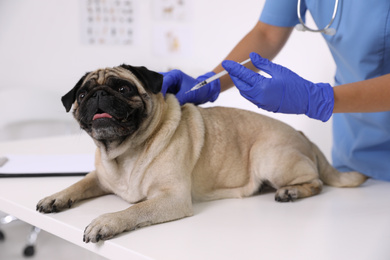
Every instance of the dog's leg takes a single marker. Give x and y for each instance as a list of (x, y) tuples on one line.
[(156, 210), (296, 178), (86, 188), (292, 192)]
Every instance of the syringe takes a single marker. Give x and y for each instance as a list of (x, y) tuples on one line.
[(212, 78)]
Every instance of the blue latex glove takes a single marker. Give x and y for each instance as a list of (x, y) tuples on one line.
[(178, 83), (285, 92)]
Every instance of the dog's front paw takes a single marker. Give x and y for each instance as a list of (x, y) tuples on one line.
[(104, 227), (54, 204)]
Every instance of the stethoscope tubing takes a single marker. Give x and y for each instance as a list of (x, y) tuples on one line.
[(306, 28)]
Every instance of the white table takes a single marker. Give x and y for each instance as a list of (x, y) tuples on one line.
[(337, 224)]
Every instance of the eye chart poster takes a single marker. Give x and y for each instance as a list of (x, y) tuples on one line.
[(108, 22)]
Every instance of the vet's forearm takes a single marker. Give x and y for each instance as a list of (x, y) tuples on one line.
[(371, 95)]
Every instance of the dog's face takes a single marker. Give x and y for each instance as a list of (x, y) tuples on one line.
[(110, 104)]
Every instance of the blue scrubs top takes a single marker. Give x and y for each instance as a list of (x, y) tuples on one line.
[(361, 50)]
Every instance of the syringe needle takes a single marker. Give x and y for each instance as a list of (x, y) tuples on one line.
[(212, 78)]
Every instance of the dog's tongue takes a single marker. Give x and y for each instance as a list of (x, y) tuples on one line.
[(102, 115)]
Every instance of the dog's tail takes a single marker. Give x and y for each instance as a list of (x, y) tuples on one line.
[(332, 177)]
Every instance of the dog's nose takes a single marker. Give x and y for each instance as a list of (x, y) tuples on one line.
[(99, 93)]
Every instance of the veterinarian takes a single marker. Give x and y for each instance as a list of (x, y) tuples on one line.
[(359, 40)]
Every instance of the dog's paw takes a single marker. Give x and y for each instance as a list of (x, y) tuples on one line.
[(53, 204), (286, 194), (102, 228)]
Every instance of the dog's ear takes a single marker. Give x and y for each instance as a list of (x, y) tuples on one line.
[(69, 98), (152, 80)]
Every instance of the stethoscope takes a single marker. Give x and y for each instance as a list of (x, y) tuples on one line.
[(302, 26)]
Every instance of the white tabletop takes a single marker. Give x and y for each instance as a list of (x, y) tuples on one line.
[(337, 224)]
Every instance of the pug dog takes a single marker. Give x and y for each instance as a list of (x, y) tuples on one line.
[(160, 156)]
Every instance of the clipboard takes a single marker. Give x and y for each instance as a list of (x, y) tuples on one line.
[(46, 165)]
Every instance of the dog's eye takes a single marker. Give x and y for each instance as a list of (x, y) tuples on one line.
[(123, 89), (82, 95)]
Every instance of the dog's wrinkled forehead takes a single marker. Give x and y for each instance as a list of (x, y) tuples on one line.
[(101, 76)]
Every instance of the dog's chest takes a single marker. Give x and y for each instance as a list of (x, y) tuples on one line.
[(124, 179)]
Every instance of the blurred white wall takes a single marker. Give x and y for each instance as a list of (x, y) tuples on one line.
[(41, 50)]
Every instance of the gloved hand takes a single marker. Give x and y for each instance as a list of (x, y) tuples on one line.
[(285, 92), (178, 83)]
